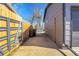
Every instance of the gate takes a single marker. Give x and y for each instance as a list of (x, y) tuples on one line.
[(75, 26)]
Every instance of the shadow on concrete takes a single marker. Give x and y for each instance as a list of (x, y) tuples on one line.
[(41, 40)]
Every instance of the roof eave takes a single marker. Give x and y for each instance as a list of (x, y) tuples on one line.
[(46, 11)]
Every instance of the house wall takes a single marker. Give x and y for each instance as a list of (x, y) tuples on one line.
[(54, 16)]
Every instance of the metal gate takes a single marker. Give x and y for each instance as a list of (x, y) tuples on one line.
[(75, 26)]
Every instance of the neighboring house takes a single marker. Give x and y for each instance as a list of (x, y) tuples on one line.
[(62, 23), (11, 29)]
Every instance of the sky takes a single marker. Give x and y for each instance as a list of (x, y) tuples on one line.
[(25, 10)]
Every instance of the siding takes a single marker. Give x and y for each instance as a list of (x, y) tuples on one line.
[(11, 30), (54, 16)]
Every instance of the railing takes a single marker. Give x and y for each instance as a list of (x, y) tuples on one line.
[(8, 34), (12, 30)]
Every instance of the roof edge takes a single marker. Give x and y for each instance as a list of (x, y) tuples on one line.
[(49, 4), (9, 7)]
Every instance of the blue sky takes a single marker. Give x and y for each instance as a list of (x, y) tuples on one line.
[(25, 10)]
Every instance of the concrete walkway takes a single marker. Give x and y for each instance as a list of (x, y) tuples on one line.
[(40, 45)]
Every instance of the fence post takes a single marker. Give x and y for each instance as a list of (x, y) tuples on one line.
[(8, 27)]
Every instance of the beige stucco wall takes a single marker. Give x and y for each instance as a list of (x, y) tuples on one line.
[(54, 16)]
